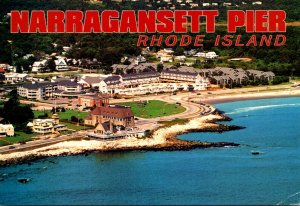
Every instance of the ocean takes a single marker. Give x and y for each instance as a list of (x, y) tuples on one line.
[(230, 175)]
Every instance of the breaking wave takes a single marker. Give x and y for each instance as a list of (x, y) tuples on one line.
[(247, 109), (292, 199)]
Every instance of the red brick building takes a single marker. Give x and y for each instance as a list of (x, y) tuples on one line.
[(91, 100), (116, 114)]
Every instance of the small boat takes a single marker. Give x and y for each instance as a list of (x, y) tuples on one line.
[(24, 180), (255, 152)]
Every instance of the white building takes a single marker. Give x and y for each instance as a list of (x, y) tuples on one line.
[(37, 90), (227, 4), (7, 130), (38, 65), (207, 55), (15, 77), (180, 58), (61, 65), (153, 82), (139, 59), (45, 126), (257, 3), (166, 58)]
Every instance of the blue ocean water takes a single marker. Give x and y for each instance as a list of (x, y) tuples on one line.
[(202, 176)]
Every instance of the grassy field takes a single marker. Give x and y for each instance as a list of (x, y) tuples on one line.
[(154, 108), (63, 115), (66, 116), (75, 126), (20, 137)]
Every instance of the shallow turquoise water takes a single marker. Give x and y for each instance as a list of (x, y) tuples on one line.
[(201, 176)]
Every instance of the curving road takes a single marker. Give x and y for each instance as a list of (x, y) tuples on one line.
[(192, 110)]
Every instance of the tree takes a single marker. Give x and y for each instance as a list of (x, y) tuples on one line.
[(160, 67), (50, 65), (16, 113), (74, 119)]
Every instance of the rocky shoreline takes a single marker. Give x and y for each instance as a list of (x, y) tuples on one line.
[(162, 139)]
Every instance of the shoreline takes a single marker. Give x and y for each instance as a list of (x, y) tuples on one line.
[(162, 139), (224, 98)]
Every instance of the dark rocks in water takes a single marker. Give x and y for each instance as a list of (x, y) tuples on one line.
[(29, 163), (1, 179), (219, 128), (52, 162), (255, 152), (222, 113), (24, 180)]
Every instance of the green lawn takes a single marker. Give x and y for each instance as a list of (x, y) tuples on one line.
[(63, 115), (66, 116), (75, 126), (154, 108), (19, 137)]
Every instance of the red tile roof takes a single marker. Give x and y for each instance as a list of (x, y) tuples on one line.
[(113, 111)]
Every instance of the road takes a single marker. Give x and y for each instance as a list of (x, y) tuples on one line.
[(186, 99), (37, 143)]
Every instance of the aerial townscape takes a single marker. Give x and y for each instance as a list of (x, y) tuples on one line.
[(95, 103)]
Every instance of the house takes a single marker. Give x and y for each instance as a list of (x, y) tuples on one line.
[(46, 126), (257, 3), (27, 56), (119, 68), (166, 58), (6, 130), (269, 76), (190, 52), (61, 64), (205, 4), (15, 77), (180, 58), (164, 52), (139, 59), (5, 67), (89, 100), (227, 4), (117, 115), (192, 5), (39, 66), (207, 55), (255, 75)]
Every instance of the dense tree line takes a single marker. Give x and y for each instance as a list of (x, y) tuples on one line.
[(109, 48), (15, 113)]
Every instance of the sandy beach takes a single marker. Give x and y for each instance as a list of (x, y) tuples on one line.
[(242, 94)]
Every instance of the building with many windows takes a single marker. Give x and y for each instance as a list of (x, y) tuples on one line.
[(41, 90), (46, 126), (118, 115)]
